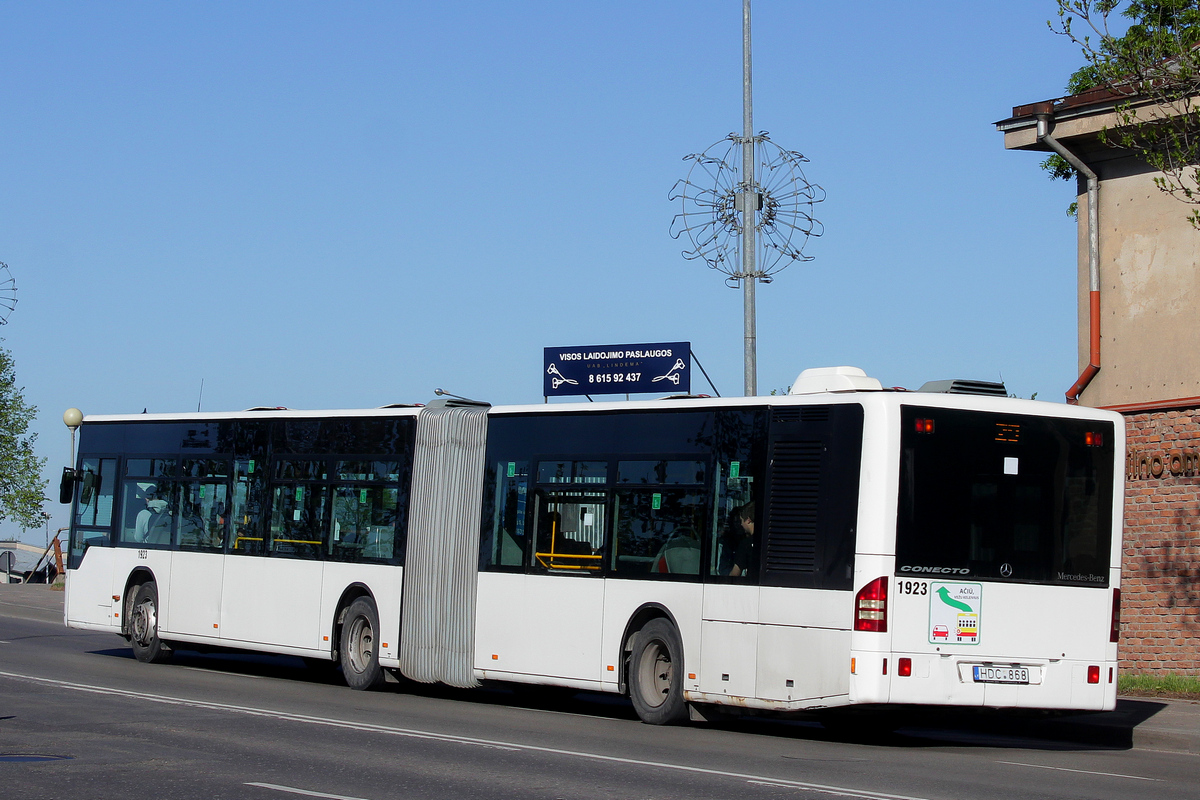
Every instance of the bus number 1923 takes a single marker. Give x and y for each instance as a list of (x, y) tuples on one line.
[(912, 587)]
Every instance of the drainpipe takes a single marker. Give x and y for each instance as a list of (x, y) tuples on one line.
[(1045, 122)]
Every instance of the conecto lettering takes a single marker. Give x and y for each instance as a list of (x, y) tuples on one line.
[(937, 570)]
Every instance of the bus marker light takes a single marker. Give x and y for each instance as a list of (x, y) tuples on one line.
[(853, 664), (924, 426), (214, 624), (115, 597), (385, 645), (611, 668), (1110, 674), (885, 666), (904, 667), (1093, 674), (326, 638), (1093, 439), (495, 657), (691, 675)]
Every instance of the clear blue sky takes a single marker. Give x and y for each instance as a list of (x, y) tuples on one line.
[(344, 205)]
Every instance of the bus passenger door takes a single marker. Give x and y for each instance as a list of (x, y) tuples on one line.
[(201, 511), (560, 622), (277, 600)]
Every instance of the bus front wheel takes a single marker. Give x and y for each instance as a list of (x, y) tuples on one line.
[(143, 626), (358, 645), (656, 674)]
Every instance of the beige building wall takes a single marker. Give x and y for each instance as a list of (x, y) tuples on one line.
[(1149, 290), (1149, 273)]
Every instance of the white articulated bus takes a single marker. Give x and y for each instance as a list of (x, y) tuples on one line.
[(841, 545)]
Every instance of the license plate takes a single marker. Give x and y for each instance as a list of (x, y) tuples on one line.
[(1001, 674)]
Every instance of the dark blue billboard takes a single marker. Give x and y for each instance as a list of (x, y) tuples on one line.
[(664, 368)]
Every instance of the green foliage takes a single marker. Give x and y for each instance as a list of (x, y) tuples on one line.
[(1184, 686), (1153, 68), (21, 486)]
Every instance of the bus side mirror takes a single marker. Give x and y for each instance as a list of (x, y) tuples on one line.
[(66, 488)]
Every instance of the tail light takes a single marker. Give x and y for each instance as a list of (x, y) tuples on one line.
[(870, 607), (1094, 674), (904, 667), (1115, 631)]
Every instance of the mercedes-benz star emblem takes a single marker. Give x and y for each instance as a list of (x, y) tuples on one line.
[(1006, 570)]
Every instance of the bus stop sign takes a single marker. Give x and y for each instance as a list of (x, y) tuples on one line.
[(664, 367)]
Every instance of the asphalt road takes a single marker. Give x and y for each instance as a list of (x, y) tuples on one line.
[(80, 718)]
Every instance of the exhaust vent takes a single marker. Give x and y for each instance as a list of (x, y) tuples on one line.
[(962, 386)]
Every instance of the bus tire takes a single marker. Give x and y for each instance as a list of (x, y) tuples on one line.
[(143, 626), (358, 646), (656, 674)]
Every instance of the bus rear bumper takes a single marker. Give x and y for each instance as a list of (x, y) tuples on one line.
[(973, 681)]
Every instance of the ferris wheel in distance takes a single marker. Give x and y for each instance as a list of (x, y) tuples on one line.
[(8, 293)]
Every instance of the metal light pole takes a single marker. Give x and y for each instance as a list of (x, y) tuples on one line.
[(721, 201), (749, 211)]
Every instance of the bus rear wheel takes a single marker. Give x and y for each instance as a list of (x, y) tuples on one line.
[(143, 626), (656, 674), (358, 646)]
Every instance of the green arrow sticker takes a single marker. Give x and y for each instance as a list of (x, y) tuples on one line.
[(944, 593)]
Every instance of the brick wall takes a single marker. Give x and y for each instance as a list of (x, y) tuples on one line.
[(1160, 594)]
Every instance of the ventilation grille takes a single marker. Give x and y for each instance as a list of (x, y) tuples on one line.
[(800, 414), (962, 386), (792, 517)]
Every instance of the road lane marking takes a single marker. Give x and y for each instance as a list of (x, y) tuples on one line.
[(840, 791), (1084, 771), (211, 671), (305, 792)]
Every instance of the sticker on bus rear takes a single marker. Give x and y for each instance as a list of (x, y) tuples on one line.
[(954, 612)]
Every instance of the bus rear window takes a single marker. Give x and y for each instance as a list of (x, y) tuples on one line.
[(1004, 497)]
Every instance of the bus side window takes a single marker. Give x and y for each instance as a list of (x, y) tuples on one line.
[(732, 539), (202, 505), (97, 495), (365, 511), (249, 488), (146, 514), (300, 514), (569, 528), (504, 538), (658, 531)]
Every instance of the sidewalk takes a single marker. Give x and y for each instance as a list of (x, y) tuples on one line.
[(1138, 722)]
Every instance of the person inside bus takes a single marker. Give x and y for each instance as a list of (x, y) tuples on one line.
[(148, 518), (743, 540)]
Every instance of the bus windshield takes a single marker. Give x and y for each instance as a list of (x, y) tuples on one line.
[(1004, 497)]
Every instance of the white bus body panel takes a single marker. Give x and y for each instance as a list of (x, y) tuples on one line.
[(193, 594), (384, 582), (623, 598), (539, 625), (88, 602), (271, 601)]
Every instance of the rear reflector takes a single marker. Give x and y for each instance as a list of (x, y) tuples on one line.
[(1093, 674), (904, 667), (870, 607), (1115, 631)]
